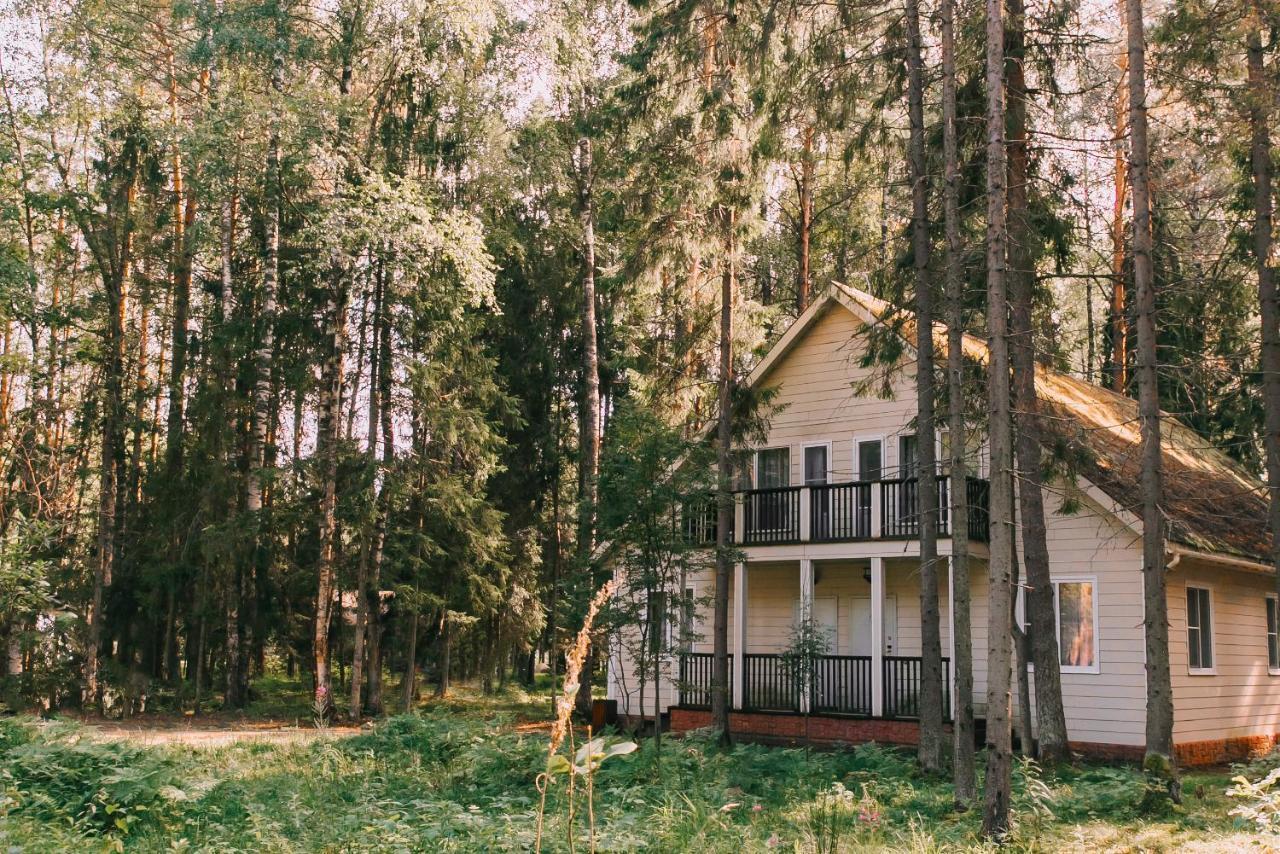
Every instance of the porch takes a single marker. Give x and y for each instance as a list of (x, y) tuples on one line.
[(867, 615)]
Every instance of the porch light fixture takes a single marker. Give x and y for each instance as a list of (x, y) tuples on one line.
[(866, 575)]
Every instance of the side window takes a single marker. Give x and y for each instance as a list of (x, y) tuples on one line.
[(1077, 625), (1273, 638), (1199, 629), (908, 453), (656, 620)]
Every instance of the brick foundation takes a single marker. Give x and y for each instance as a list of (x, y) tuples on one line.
[(790, 729), (777, 728)]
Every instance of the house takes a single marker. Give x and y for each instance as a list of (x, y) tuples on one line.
[(828, 527)]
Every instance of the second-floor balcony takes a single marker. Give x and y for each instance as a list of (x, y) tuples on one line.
[(837, 512)]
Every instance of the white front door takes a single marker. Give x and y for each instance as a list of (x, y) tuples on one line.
[(860, 631)]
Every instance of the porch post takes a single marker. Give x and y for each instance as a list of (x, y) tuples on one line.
[(739, 518), (806, 614), (739, 632), (806, 510), (951, 627), (877, 637)]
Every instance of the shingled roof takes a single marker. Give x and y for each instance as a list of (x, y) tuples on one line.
[(1211, 503)]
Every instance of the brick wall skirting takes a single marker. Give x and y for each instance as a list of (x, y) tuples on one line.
[(777, 728)]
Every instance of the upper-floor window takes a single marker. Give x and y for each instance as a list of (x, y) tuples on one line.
[(773, 468), (1273, 636), (870, 459), (908, 455), (1199, 629), (816, 464)]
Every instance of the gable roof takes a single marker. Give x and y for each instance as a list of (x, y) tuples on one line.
[(1211, 503)]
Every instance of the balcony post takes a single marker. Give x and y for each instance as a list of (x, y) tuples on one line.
[(806, 509), (806, 614), (877, 488), (739, 518), (739, 632), (877, 637)]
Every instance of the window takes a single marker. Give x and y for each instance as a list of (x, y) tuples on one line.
[(1273, 638), (1077, 626), (815, 465), (908, 455), (773, 468), (656, 620), (870, 459), (1199, 630)]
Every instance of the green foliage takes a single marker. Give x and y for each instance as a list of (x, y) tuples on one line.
[(102, 788)]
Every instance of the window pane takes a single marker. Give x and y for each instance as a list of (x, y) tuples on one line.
[(907, 452), (1206, 630), (775, 468), (657, 621), (815, 464), (870, 466), (1273, 640), (1075, 621)]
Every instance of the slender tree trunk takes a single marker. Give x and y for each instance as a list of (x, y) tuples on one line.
[(1119, 320), (724, 489), (804, 232), (589, 462), (411, 661), (995, 818), (1042, 643), (930, 747), (963, 770), (1160, 760), (1260, 104)]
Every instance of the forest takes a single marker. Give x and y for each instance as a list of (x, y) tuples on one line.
[(343, 342)]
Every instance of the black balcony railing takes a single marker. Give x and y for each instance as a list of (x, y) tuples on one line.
[(840, 511), (697, 676), (902, 686), (839, 684), (770, 683), (978, 497), (772, 515), (842, 684)]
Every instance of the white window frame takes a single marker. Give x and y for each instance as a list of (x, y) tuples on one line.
[(857, 458), (1272, 602), (1212, 670), (755, 463), (830, 460), (1092, 580), (675, 642)]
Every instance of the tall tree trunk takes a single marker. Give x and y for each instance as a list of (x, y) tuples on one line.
[(116, 272), (1042, 644), (804, 231), (589, 462), (1260, 103), (963, 767), (1119, 319), (370, 546), (995, 817), (1160, 760), (930, 747), (724, 488)]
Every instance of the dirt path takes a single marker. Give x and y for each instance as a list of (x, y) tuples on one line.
[(216, 736)]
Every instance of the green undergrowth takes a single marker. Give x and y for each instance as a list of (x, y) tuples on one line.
[(462, 776)]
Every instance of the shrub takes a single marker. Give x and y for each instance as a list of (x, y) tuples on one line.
[(1260, 801), (109, 788)]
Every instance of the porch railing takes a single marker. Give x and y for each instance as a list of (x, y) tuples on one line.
[(769, 683), (830, 513), (840, 511), (697, 676), (772, 515), (902, 676), (842, 684)]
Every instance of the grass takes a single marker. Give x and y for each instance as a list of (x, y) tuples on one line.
[(461, 776)]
